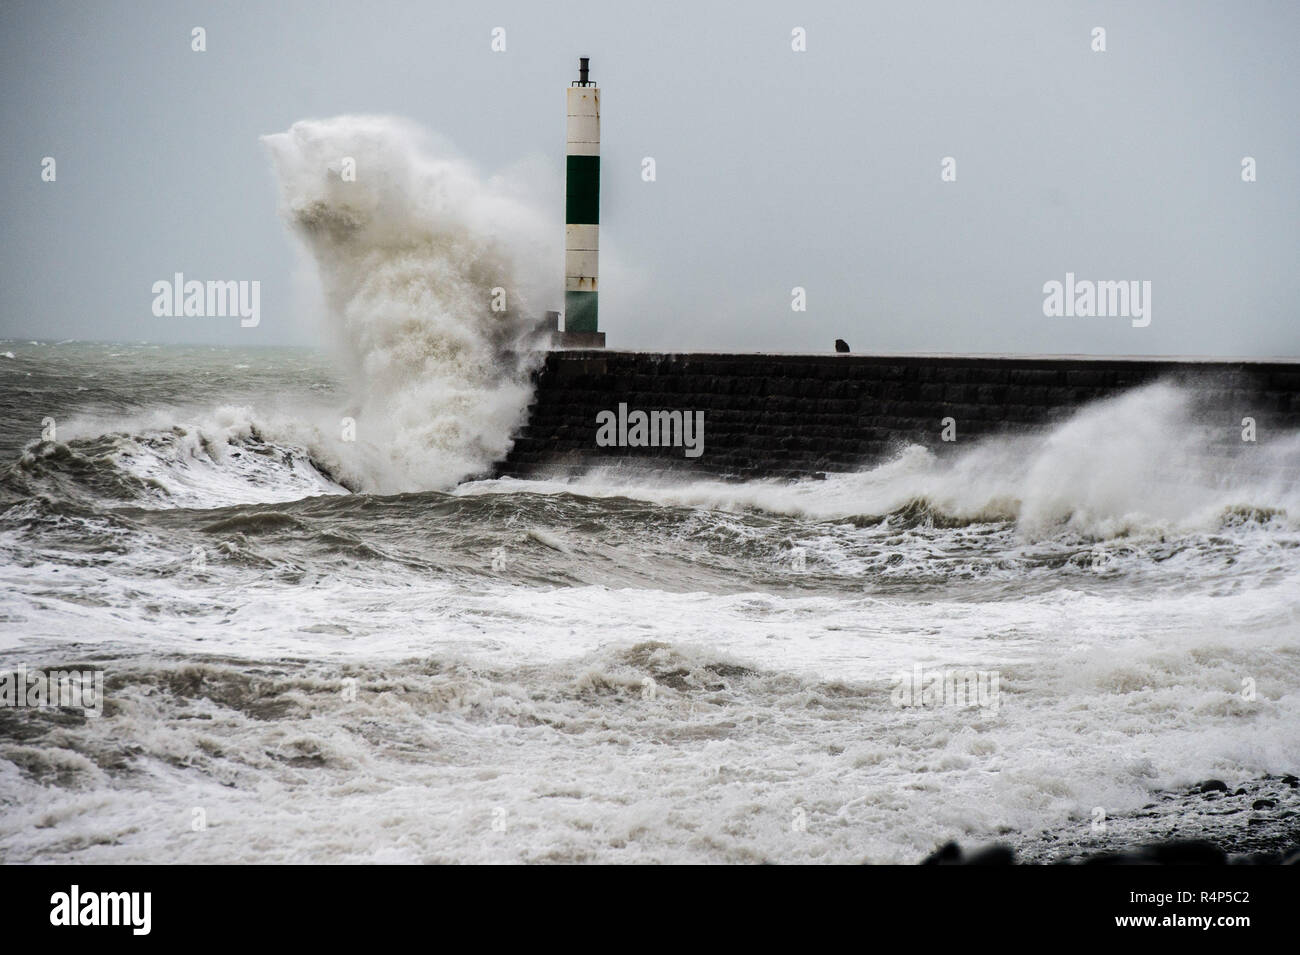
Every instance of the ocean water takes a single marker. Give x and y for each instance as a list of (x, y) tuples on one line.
[(325, 638), (603, 669)]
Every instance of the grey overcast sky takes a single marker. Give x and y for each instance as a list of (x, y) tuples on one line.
[(775, 168)]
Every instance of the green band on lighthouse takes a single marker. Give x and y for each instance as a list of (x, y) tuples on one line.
[(580, 312), (582, 190)]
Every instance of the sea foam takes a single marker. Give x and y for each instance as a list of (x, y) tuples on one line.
[(432, 279)]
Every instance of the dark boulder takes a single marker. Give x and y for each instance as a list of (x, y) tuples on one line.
[(1174, 852), (951, 854)]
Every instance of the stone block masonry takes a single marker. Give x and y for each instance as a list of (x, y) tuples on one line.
[(793, 416)]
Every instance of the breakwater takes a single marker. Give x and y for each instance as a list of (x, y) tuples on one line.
[(800, 415)]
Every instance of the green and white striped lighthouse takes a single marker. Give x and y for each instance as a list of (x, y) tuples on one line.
[(582, 213)]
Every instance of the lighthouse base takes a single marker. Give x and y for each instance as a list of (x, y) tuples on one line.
[(579, 340)]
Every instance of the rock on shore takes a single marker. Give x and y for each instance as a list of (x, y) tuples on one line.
[(1212, 823)]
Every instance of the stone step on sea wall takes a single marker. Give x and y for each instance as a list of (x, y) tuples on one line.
[(790, 416)]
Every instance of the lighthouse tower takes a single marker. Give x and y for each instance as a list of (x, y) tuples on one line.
[(582, 214)]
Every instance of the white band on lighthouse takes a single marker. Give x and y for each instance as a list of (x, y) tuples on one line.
[(581, 255), (583, 129)]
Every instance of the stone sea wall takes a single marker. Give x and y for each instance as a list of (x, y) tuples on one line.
[(803, 415)]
